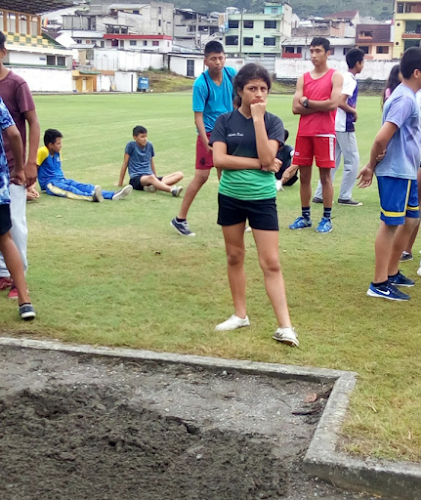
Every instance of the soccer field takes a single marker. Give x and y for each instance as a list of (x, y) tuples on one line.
[(118, 274)]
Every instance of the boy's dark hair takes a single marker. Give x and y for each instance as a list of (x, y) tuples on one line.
[(214, 47), (411, 60), (139, 130), (2, 41), (249, 72), (353, 57), (286, 135), (319, 40), (50, 136)]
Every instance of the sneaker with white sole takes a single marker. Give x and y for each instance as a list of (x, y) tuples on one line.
[(149, 189), (400, 280), (123, 193), (300, 223), (176, 190), (325, 226), (406, 257), (27, 311), (350, 202), (97, 194), (387, 291), (182, 227), (233, 323), (287, 336), (279, 186)]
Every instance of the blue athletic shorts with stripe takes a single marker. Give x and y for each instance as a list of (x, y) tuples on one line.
[(398, 199)]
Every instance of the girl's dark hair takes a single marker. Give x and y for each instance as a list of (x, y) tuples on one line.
[(249, 72), (392, 82)]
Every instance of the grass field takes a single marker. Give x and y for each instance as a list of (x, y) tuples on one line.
[(118, 274)]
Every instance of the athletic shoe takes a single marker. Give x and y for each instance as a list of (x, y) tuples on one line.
[(300, 223), (325, 226), (232, 323), (247, 229), (279, 186), (419, 270), (176, 190), (317, 200), (27, 312), (287, 336), (351, 202), (123, 193), (5, 283), (182, 227), (405, 257), (387, 291), (149, 189), (400, 280), (97, 196), (13, 294)]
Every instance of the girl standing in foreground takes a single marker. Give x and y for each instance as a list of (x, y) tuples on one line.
[(245, 143)]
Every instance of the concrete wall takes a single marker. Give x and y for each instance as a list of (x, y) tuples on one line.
[(178, 64), (46, 80), (27, 58), (119, 60), (125, 81)]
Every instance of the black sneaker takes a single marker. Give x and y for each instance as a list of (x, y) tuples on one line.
[(406, 256), (27, 312), (351, 202), (317, 200), (182, 227)]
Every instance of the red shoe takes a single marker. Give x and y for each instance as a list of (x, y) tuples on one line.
[(13, 293), (5, 283)]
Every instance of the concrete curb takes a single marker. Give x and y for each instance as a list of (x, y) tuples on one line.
[(393, 479)]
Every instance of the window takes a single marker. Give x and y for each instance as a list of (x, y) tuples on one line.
[(23, 25), (88, 42), (133, 42), (190, 67), (78, 41), (121, 44), (299, 49), (136, 11), (248, 24), (51, 60), (248, 40), (270, 25), (155, 43), (274, 10), (61, 61), (102, 44), (382, 49), (269, 42), (159, 10), (332, 51), (346, 50), (145, 43), (400, 8), (289, 50), (159, 22), (364, 48), (232, 24), (231, 40), (366, 34)]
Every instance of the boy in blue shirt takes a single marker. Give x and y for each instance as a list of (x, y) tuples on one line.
[(51, 177), (400, 137), (213, 93), (138, 158), (17, 176)]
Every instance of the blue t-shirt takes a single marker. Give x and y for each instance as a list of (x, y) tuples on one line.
[(49, 167), (140, 159), (402, 157), (213, 100), (6, 121)]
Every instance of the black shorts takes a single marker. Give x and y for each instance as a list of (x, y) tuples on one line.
[(261, 214), (5, 220), (135, 182)]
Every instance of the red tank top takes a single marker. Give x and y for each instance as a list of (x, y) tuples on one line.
[(322, 122)]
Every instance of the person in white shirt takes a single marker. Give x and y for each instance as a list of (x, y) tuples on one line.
[(346, 142)]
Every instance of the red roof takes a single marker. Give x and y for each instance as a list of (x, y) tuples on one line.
[(346, 14), (116, 36)]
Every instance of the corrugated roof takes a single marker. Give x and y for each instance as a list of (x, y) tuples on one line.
[(35, 6), (346, 14)]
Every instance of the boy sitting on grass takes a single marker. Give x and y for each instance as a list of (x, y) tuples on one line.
[(400, 137), (138, 157), (17, 176), (51, 178), (285, 155)]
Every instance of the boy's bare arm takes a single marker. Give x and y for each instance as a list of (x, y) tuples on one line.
[(200, 125), (123, 169), (332, 103), (153, 167), (379, 146), (297, 107), (17, 175), (34, 135)]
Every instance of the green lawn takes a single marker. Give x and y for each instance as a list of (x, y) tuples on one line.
[(118, 274)]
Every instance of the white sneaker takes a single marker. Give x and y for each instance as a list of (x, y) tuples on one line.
[(419, 270), (149, 189), (286, 335), (176, 190), (97, 195), (279, 186), (233, 323), (123, 193), (248, 229)]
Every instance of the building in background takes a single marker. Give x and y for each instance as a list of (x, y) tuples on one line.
[(192, 30), (299, 48), (407, 26), (375, 40)]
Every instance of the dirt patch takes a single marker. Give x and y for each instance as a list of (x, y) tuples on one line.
[(79, 427)]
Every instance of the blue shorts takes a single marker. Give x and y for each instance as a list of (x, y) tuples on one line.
[(398, 199)]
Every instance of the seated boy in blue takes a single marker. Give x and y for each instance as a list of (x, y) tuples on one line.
[(138, 157), (285, 155), (52, 180)]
